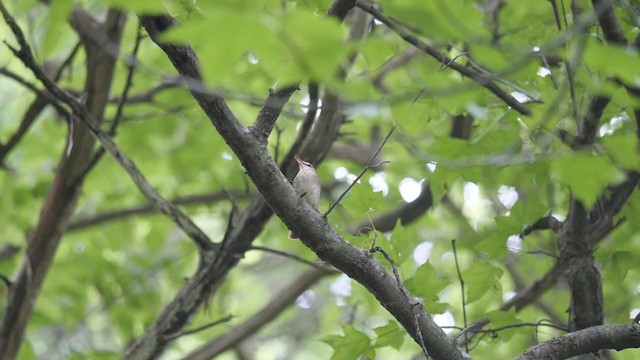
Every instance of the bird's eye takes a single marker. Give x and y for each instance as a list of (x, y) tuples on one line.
[(308, 164)]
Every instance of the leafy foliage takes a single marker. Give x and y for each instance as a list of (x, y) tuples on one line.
[(110, 279)]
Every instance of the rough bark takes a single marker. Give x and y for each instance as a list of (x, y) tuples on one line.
[(315, 232), (63, 193)]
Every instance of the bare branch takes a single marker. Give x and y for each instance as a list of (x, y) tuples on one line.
[(464, 304), (367, 167), (149, 95), (591, 340), (200, 328), (34, 109), (545, 223), (475, 76), (299, 216), (67, 183), (123, 100), (609, 22), (289, 256), (270, 111), (182, 220), (281, 301), (144, 209), (407, 295)]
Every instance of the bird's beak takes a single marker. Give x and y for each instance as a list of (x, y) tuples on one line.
[(298, 159)]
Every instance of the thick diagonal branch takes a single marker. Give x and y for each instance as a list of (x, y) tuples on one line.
[(315, 232), (244, 226)]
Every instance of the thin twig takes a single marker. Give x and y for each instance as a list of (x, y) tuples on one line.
[(543, 322), (305, 128), (202, 241), (464, 303), (544, 223), (495, 77), (367, 167), (289, 256), (6, 281), (45, 94), (33, 111), (480, 79), (149, 94), (200, 328), (144, 209), (567, 62), (406, 294)]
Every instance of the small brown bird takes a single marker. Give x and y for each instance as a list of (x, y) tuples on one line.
[(307, 184)]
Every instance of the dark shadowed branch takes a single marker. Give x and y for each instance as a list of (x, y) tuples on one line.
[(591, 340), (296, 214)]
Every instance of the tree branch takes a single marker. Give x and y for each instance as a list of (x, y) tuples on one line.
[(591, 340), (245, 225), (123, 100), (601, 225), (609, 22), (281, 301), (144, 209), (200, 328), (35, 108), (67, 182), (367, 167), (88, 120), (407, 212), (149, 95), (289, 256), (270, 111), (480, 79), (299, 216), (545, 223)]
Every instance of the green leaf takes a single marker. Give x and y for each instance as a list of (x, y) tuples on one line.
[(586, 175), (314, 42), (426, 283), (363, 200), (480, 279), (499, 318), (58, 15), (249, 33), (402, 242), (493, 244), (350, 346), (619, 264), (508, 225), (451, 20), (612, 60), (624, 150), (389, 335), (148, 7)]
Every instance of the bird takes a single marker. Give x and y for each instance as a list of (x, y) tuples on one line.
[(307, 185)]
